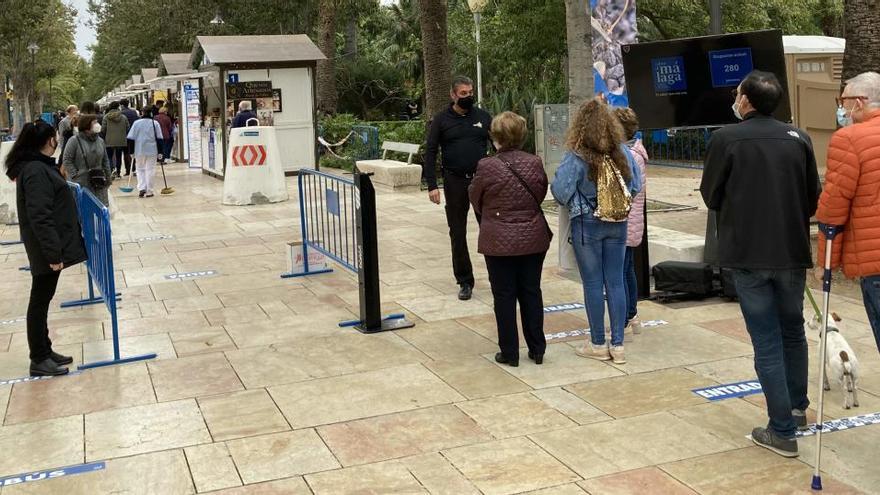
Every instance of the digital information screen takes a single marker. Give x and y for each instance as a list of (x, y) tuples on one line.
[(730, 67)]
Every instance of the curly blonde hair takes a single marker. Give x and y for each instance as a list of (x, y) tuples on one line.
[(595, 133)]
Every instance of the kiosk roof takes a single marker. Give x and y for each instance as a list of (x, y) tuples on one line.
[(175, 63), (222, 50)]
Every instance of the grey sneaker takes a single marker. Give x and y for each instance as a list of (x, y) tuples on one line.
[(786, 447), (800, 418)]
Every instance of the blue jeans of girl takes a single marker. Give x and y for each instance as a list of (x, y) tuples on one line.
[(599, 248)]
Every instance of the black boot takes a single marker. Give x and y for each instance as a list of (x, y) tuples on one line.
[(501, 358), (61, 359), (47, 367), (466, 291), (537, 358)]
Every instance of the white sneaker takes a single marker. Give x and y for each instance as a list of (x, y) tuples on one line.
[(636, 325), (591, 351), (618, 356)]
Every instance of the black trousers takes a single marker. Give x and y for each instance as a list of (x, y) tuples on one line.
[(458, 205), (115, 154), (42, 291), (518, 278)]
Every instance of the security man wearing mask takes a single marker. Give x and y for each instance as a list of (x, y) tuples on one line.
[(461, 132)]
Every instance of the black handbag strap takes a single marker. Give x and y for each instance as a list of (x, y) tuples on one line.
[(82, 151)]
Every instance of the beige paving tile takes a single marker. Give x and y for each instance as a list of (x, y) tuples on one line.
[(211, 467), (152, 309), (41, 445), (288, 486), (402, 434), (141, 429), (744, 470), (730, 420), (263, 331), (849, 455), (476, 378), (637, 481), (436, 308), (509, 466), (192, 342), (730, 370), (175, 289), (561, 367), (346, 352), (238, 315), (67, 335), (734, 328), (194, 376), (280, 455), (438, 476), (5, 391), (643, 393), (571, 406), (361, 395), (570, 489), (16, 364), (390, 478), (161, 324), (4, 342), (193, 303), (159, 344), (94, 390), (514, 415), (242, 414), (447, 340), (156, 473), (631, 443)]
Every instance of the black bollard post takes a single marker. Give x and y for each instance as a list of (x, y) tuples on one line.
[(368, 255)]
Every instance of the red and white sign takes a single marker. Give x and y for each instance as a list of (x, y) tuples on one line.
[(248, 155)]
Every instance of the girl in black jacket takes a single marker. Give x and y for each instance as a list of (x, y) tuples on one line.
[(50, 231)]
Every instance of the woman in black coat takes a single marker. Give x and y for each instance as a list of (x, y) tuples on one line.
[(50, 231)]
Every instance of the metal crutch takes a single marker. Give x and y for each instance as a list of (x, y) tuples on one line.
[(830, 232)]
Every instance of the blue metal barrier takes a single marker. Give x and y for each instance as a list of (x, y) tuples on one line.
[(95, 220), (338, 219), (370, 137)]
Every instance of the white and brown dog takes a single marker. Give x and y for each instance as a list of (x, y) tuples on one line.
[(840, 361)]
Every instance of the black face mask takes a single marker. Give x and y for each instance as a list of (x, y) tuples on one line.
[(466, 103)]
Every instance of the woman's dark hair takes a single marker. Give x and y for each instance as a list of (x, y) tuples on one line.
[(147, 111), (88, 107), (85, 122), (113, 105), (32, 138), (763, 91)]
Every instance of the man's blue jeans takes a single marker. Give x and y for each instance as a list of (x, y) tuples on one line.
[(599, 248), (772, 303), (871, 297)]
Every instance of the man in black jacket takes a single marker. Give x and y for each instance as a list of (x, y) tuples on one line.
[(760, 177), (132, 117), (462, 132)]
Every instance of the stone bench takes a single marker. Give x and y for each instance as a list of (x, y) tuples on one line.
[(672, 245), (395, 174)]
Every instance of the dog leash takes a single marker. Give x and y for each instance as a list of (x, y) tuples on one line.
[(813, 303)]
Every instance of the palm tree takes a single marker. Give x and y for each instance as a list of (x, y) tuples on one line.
[(435, 48), (580, 51), (326, 72), (862, 27)]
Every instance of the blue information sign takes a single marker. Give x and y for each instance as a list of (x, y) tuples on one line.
[(332, 202), (730, 67), (669, 75)]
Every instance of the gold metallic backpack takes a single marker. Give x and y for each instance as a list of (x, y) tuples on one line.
[(614, 199)]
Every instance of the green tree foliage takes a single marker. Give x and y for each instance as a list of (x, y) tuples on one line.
[(49, 24)]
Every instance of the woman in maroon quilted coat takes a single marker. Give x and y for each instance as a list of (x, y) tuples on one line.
[(506, 192)]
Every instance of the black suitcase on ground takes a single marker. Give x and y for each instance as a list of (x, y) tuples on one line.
[(684, 277)]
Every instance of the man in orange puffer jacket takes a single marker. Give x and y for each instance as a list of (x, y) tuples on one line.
[(852, 185)]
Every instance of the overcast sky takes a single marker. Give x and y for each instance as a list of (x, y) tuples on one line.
[(85, 35)]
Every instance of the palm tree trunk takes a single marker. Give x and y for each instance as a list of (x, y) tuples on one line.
[(351, 40), (862, 26), (580, 52), (436, 55), (326, 71)]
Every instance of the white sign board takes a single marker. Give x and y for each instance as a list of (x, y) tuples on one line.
[(192, 144)]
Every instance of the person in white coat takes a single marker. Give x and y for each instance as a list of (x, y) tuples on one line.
[(147, 136)]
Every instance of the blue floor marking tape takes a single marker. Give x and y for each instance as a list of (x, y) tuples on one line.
[(27, 379), (563, 307), (842, 424), (586, 331), (729, 391), (52, 473)]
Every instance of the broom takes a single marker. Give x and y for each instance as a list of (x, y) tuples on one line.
[(166, 191), (128, 188)]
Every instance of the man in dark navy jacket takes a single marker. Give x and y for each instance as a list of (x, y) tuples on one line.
[(461, 132)]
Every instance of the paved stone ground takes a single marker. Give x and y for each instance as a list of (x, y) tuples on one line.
[(256, 390)]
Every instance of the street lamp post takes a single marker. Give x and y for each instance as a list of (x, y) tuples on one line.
[(477, 7), (33, 48)]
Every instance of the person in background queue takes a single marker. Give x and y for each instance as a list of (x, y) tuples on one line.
[(245, 113), (461, 132), (851, 185), (86, 160), (507, 191), (146, 136), (760, 177), (165, 123), (115, 126), (50, 231), (65, 128), (132, 117)]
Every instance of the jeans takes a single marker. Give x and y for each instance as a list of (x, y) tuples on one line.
[(168, 146), (115, 155), (518, 278), (871, 298), (42, 291), (458, 205), (631, 284), (599, 248), (772, 303)]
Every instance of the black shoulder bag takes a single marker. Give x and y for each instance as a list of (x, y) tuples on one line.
[(525, 186), (97, 177)]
